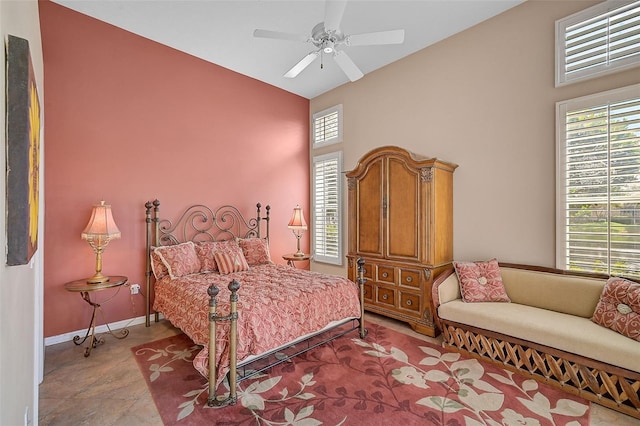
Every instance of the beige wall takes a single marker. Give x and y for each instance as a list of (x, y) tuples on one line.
[(20, 286), (484, 99)]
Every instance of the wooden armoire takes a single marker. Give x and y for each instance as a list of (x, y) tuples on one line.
[(401, 224)]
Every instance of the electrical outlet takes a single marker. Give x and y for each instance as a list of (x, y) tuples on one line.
[(135, 288)]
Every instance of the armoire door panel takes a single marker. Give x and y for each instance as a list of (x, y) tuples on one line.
[(403, 186), (369, 219)]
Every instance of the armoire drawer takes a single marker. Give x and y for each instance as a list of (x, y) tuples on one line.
[(385, 296), (367, 271), (368, 292), (410, 278), (386, 274), (410, 301)]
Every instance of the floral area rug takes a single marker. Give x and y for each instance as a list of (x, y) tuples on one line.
[(388, 378)]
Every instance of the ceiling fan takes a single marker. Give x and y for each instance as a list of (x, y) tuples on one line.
[(326, 37)]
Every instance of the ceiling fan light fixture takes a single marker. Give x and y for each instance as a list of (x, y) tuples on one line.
[(328, 46)]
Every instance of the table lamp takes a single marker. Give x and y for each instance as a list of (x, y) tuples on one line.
[(298, 226), (99, 231)]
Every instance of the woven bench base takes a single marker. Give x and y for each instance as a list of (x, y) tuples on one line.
[(612, 387)]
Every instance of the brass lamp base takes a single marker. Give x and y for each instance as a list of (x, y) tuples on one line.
[(299, 252), (98, 279)]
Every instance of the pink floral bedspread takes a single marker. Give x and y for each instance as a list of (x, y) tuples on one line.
[(276, 305)]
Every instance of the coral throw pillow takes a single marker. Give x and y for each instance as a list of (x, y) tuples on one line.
[(255, 250), (207, 249), (619, 307), (230, 262), (158, 268), (180, 259), (481, 281)]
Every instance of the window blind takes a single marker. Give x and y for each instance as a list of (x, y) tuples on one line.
[(327, 207), (601, 39), (602, 188), (327, 126)]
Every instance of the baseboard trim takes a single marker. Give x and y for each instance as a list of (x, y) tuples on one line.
[(60, 338)]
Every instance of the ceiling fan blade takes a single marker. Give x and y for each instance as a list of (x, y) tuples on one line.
[(334, 9), (300, 66), (382, 37), (280, 35), (350, 69)]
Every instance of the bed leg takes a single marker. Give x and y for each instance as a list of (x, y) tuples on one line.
[(147, 298), (213, 291), (213, 303), (234, 286), (361, 281)]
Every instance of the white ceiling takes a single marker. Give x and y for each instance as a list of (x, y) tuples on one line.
[(221, 32)]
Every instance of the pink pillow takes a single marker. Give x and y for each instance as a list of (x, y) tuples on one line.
[(158, 268), (481, 281), (619, 307), (255, 250), (230, 262), (180, 259), (207, 249)]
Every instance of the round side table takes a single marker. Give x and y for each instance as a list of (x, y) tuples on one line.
[(85, 289), (291, 258)]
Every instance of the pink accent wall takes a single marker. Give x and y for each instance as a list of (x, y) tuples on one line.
[(128, 120)]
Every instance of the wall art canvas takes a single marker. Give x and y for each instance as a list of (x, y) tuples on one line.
[(23, 153)]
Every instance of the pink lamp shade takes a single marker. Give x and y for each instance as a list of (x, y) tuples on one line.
[(101, 223), (298, 225), (297, 222), (99, 231)]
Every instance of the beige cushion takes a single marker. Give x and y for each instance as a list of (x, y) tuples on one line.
[(569, 333), (449, 289), (561, 293)]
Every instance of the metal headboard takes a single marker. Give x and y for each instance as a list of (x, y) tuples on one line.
[(197, 223)]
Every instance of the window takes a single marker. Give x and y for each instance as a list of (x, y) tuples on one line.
[(598, 179), (599, 40), (327, 126), (327, 208)]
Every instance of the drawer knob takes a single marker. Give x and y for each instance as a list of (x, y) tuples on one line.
[(385, 296), (385, 275), (409, 303), (409, 279)]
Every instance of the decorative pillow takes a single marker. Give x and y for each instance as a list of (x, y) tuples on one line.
[(207, 249), (255, 250), (481, 281), (619, 307), (230, 262), (158, 268), (180, 259)]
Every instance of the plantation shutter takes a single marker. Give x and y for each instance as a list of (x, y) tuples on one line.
[(327, 207), (602, 187), (327, 126), (598, 41)]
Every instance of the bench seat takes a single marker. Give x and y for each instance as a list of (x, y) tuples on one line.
[(545, 333)]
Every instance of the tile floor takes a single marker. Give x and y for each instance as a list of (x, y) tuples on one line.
[(107, 388)]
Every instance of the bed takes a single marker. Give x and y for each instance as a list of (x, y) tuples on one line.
[(209, 273)]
